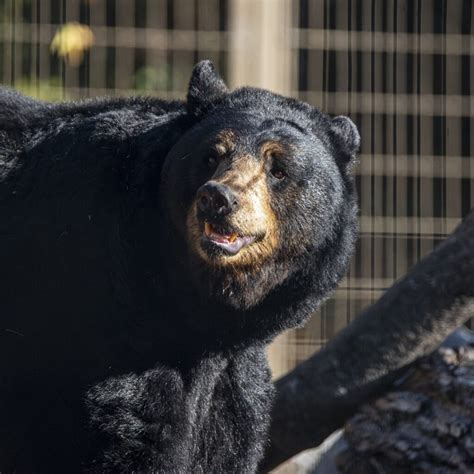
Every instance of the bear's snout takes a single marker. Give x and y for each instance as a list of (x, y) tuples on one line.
[(215, 200)]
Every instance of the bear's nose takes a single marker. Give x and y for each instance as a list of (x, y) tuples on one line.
[(216, 199)]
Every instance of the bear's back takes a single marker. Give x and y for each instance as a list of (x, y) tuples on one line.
[(70, 178), (19, 112), (54, 147)]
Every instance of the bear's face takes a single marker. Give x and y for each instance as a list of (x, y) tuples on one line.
[(259, 189), (256, 190), (231, 220)]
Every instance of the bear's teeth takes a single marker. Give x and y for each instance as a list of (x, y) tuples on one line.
[(213, 235)]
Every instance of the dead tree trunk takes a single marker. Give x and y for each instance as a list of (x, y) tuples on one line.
[(412, 318)]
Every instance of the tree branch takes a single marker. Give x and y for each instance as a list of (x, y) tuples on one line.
[(410, 320)]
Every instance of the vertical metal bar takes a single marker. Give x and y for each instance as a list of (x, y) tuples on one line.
[(372, 149), (37, 46), (426, 129), (97, 59), (394, 142), (454, 176), (71, 13), (183, 19), (7, 40), (44, 56), (12, 43), (125, 57), (350, 280), (402, 236), (420, 181)]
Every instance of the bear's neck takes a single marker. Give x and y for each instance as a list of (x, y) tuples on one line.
[(283, 296)]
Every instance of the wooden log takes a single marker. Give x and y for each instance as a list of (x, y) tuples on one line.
[(425, 427), (410, 320)]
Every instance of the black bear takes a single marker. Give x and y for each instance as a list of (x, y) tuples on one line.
[(149, 251)]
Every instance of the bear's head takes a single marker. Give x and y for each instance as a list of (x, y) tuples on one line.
[(261, 192)]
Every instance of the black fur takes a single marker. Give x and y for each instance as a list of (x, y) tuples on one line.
[(120, 350)]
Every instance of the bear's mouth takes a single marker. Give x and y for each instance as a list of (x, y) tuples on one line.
[(226, 240)]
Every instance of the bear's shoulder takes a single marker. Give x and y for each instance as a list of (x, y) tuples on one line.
[(18, 112), (81, 128)]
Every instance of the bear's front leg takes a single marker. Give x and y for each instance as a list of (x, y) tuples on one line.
[(141, 423)]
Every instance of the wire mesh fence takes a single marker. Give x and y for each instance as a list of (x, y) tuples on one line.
[(402, 69), (139, 46)]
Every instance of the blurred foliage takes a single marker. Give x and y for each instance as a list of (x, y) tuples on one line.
[(149, 78), (71, 41), (50, 89)]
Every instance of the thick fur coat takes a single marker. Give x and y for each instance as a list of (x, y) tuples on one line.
[(149, 250)]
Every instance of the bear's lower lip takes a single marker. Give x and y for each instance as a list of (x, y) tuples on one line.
[(231, 243)]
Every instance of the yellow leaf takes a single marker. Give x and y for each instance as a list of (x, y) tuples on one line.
[(70, 42)]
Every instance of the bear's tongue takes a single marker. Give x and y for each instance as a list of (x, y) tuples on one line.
[(229, 242), (218, 237)]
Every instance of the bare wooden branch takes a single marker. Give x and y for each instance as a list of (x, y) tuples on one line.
[(363, 360)]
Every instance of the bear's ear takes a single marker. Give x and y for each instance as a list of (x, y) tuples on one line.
[(205, 87), (347, 135)]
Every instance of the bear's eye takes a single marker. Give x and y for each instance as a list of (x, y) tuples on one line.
[(212, 161), (278, 173)]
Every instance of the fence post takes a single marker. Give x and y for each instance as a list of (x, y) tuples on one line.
[(261, 56)]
